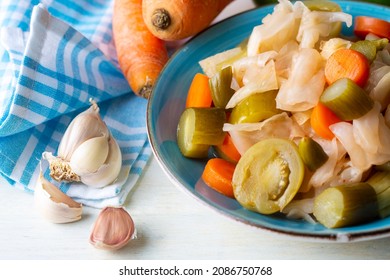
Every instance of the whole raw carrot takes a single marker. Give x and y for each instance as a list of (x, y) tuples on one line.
[(141, 55), (179, 19)]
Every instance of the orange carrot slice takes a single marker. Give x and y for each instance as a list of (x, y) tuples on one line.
[(365, 25), (321, 118), (218, 174), (346, 63), (199, 93), (227, 150)]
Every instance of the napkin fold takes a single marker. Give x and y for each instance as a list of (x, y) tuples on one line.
[(54, 56)]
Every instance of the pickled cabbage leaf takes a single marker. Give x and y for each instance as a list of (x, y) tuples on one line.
[(306, 83), (344, 133), (244, 135), (300, 209), (317, 24), (284, 59), (262, 79), (323, 175), (381, 91), (329, 47), (241, 66), (367, 139), (212, 64), (373, 135), (276, 29)]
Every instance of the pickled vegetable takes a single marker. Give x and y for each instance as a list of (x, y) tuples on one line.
[(218, 174), (268, 175), (255, 108), (380, 181), (383, 167), (211, 65), (326, 6), (198, 129), (346, 205), (380, 44), (221, 92), (322, 5), (346, 99), (312, 153), (227, 150), (367, 48), (356, 203)]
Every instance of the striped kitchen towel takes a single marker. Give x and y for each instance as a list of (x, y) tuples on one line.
[(54, 56)]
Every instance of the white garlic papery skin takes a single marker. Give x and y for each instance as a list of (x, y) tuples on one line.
[(53, 204), (113, 229), (87, 153)]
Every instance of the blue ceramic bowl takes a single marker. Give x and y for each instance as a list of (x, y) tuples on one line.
[(167, 102)]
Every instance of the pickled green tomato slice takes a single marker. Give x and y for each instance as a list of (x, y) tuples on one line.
[(268, 175)]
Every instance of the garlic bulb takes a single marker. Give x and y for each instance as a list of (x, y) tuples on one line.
[(87, 153), (53, 204), (113, 229)]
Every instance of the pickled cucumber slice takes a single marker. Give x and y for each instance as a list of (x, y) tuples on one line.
[(380, 181), (268, 175), (221, 92), (198, 129), (369, 48), (346, 99), (312, 153), (346, 205), (255, 108), (365, 47)]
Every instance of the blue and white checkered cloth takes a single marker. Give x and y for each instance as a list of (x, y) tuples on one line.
[(54, 56)]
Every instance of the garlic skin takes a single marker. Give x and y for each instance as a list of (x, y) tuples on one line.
[(54, 205), (87, 153), (113, 229)]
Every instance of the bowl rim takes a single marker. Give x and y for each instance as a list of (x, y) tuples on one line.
[(327, 237)]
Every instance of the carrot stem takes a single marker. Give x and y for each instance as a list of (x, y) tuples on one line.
[(161, 19)]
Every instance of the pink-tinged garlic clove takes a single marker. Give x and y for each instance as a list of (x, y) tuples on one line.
[(113, 229)]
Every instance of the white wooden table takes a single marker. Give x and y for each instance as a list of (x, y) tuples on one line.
[(171, 226)]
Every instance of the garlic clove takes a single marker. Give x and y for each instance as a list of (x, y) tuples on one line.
[(53, 204), (113, 229), (84, 126), (87, 153), (90, 155), (109, 171)]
